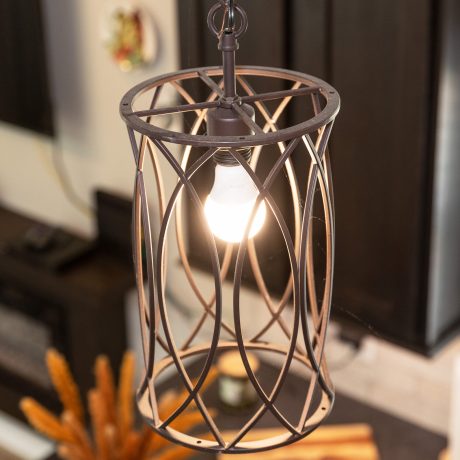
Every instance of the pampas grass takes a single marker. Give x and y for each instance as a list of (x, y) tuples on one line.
[(113, 433)]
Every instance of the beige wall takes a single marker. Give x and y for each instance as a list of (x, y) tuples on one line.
[(86, 87)]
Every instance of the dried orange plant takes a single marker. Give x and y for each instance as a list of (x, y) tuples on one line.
[(114, 434)]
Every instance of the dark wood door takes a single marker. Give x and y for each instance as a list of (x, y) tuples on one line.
[(380, 55), (382, 67)]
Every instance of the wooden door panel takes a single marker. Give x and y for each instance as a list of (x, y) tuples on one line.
[(381, 66)]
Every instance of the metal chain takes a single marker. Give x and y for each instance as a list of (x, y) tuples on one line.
[(231, 15), (231, 10)]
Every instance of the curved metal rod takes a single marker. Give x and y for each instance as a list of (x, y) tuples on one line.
[(312, 294), (310, 253), (193, 391), (153, 313), (327, 167), (148, 243), (328, 208), (137, 203), (322, 374), (271, 124), (207, 305), (316, 359), (306, 226), (144, 328), (330, 226), (328, 170), (310, 276), (316, 316), (140, 160), (265, 195), (145, 144), (275, 311)]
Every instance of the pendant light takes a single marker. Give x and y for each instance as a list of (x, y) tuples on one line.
[(232, 130)]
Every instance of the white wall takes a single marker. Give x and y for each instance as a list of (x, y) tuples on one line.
[(86, 87)]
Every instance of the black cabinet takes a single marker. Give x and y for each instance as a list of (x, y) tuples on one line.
[(79, 310), (396, 147)]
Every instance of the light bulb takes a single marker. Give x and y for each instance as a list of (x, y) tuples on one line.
[(230, 204)]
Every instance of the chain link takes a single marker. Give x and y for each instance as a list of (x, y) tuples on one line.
[(231, 10)]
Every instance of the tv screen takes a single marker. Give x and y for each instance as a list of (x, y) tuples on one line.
[(25, 98)]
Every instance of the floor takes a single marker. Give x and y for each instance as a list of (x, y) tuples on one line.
[(398, 382), (403, 383), (18, 442), (396, 439)]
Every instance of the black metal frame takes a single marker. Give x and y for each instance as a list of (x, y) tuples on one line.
[(306, 333)]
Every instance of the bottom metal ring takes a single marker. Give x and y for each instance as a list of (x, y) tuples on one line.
[(317, 417)]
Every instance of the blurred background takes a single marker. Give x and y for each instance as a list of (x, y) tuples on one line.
[(67, 174)]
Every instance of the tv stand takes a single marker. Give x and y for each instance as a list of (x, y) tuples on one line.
[(79, 309)]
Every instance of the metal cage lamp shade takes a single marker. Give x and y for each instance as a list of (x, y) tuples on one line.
[(232, 132)]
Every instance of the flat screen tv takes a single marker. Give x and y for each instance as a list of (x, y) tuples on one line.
[(24, 85)]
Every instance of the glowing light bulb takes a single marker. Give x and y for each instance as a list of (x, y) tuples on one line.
[(229, 206)]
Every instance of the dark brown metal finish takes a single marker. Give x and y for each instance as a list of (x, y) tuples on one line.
[(305, 326), (307, 83), (228, 122), (238, 129)]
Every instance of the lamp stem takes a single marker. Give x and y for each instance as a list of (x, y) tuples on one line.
[(228, 45), (228, 36)]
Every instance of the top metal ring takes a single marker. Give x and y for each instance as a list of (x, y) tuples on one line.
[(330, 97)]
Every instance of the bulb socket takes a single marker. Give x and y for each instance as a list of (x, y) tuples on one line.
[(224, 121), (223, 157)]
